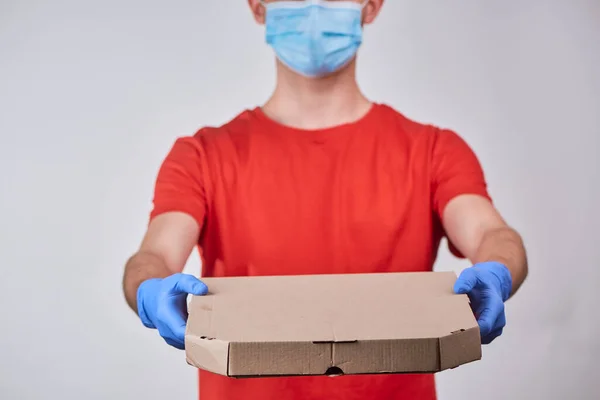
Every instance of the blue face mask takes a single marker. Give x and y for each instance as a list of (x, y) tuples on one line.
[(314, 37)]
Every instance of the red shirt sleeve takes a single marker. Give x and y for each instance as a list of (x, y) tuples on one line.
[(456, 170), (180, 182)]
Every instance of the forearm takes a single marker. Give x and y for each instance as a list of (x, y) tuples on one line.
[(139, 268), (504, 245)]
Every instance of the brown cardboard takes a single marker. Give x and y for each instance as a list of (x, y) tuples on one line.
[(331, 324)]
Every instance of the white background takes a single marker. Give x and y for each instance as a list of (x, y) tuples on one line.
[(93, 94)]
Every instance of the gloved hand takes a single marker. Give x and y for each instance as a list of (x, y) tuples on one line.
[(488, 286), (162, 305)]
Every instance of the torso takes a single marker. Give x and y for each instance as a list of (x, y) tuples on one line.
[(352, 199)]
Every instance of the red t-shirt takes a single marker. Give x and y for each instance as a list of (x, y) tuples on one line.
[(274, 200)]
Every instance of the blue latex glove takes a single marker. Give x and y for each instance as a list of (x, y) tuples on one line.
[(162, 305), (488, 286)]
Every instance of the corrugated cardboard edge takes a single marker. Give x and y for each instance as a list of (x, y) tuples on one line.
[(279, 358), (360, 357), (459, 348), (386, 356), (207, 353)]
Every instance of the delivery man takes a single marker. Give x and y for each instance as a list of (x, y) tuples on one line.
[(319, 180)]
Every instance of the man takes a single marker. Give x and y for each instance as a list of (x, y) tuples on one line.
[(319, 180)]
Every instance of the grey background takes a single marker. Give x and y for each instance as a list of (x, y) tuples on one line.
[(93, 94)]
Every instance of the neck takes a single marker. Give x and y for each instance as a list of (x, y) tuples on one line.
[(319, 103)]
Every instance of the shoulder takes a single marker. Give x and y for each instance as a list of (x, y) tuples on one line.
[(423, 135), (392, 115), (216, 138), (420, 131), (238, 127), (404, 125)]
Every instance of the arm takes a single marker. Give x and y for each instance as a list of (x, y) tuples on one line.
[(153, 283), (500, 265), (478, 231), (164, 251)]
